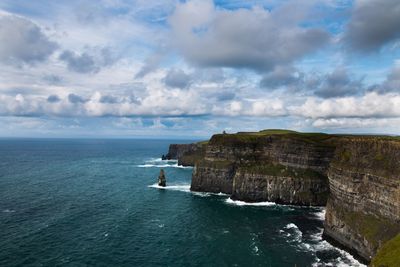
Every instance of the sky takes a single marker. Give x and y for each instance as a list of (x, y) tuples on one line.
[(188, 69)]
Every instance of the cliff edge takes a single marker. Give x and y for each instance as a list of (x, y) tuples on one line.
[(356, 177)]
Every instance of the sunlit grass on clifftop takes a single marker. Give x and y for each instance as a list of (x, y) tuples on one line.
[(389, 254)]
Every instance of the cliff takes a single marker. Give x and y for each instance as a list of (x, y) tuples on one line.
[(186, 154), (283, 167), (363, 209), (356, 177)]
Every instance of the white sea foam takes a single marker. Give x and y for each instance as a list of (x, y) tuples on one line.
[(186, 188), (243, 203), (201, 194), (162, 160), (318, 244), (291, 225), (345, 259), (163, 166), (320, 214), (178, 187), (295, 231), (8, 211), (253, 245)]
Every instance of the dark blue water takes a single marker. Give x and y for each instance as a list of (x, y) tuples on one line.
[(91, 203)]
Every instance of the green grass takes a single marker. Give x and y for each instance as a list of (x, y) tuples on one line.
[(218, 164), (203, 142), (389, 254), (258, 138), (313, 136)]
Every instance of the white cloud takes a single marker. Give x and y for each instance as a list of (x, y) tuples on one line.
[(370, 105)]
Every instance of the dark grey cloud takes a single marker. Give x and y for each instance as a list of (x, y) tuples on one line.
[(23, 42), (281, 76), (390, 85), (90, 61), (83, 63), (337, 84), (246, 38), (76, 99), (373, 24), (224, 96), (213, 75), (150, 64), (52, 79), (177, 78), (108, 99), (53, 99)]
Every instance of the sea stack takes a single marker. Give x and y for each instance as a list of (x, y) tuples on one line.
[(161, 179)]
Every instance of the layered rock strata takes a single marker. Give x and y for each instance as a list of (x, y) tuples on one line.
[(363, 209), (356, 177), (279, 168)]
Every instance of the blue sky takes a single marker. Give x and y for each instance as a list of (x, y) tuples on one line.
[(188, 69)]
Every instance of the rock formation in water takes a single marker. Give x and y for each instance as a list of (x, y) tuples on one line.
[(162, 181), (356, 177)]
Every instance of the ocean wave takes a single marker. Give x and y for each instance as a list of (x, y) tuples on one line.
[(315, 243), (163, 166), (243, 203), (179, 187), (155, 160), (207, 194), (293, 231), (254, 244), (318, 244), (8, 211), (186, 188), (320, 215)]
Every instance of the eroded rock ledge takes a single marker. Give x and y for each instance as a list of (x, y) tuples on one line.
[(356, 177)]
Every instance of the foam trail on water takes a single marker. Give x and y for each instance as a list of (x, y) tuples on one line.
[(179, 187), (317, 244), (186, 188), (297, 234), (8, 211), (320, 214), (162, 160), (243, 203), (206, 194), (163, 166)]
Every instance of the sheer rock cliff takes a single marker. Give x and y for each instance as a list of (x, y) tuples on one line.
[(356, 177)]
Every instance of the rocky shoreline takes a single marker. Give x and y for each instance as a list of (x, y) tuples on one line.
[(356, 177)]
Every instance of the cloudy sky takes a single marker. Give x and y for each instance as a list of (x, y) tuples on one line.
[(143, 68)]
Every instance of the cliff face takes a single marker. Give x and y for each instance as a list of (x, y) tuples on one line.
[(291, 189), (356, 177), (186, 154), (278, 168), (213, 176), (363, 210)]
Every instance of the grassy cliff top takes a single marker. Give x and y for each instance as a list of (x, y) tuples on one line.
[(314, 137), (243, 138), (389, 254)]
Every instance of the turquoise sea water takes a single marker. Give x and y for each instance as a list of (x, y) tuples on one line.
[(94, 203)]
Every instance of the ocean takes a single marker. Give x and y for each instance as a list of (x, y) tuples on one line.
[(86, 202)]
